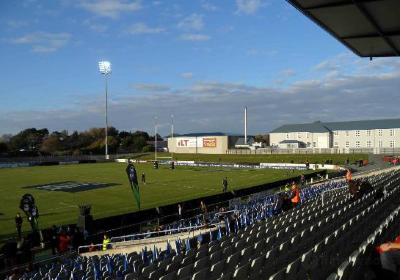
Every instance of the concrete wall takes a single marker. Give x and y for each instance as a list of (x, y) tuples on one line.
[(200, 145)]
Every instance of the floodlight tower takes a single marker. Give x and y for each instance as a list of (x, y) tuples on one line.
[(105, 68)]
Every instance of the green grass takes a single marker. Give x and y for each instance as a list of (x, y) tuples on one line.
[(163, 187), (337, 159)]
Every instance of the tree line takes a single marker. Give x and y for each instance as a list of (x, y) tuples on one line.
[(40, 141)]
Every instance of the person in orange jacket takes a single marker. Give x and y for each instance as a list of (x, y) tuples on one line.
[(63, 244), (295, 194), (348, 175)]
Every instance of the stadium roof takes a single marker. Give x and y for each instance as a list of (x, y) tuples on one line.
[(335, 126), (370, 28), (202, 134)]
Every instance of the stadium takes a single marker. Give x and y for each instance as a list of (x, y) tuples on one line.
[(213, 206)]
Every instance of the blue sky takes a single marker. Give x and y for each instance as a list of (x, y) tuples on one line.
[(203, 61)]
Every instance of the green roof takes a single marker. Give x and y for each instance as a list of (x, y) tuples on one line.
[(321, 127)]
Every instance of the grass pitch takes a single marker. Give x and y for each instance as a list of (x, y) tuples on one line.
[(163, 186)]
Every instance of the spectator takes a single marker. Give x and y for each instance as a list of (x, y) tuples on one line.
[(302, 180), (18, 224), (180, 211), (77, 238), (63, 243), (287, 203), (353, 190), (348, 175), (14, 275), (106, 240), (278, 204), (203, 208), (390, 259), (295, 195), (364, 188), (92, 247), (54, 239), (24, 246), (9, 250)]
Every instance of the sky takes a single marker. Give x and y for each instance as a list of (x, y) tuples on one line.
[(201, 61)]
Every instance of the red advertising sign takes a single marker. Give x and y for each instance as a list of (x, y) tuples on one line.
[(209, 142)]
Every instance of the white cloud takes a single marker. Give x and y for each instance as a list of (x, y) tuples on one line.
[(95, 26), (209, 7), (17, 23), (142, 28), (249, 7), (151, 87), (43, 41), (252, 52), (192, 22), (289, 72), (188, 75), (195, 37), (110, 8)]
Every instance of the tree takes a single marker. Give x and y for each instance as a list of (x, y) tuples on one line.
[(127, 143), (51, 145), (3, 148)]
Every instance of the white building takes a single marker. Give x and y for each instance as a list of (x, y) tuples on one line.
[(354, 134)]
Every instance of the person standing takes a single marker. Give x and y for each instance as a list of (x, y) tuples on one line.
[(302, 180), (18, 224), (203, 208), (144, 178), (54, 239), (348, 175), (180, 211), (225, 184), (295, 195), (106, 240)]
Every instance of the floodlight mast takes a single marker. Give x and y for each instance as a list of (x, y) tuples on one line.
[(105, 68)]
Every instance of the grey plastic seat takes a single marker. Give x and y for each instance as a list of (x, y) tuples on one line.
[(242, 272), (232, 262), (258, 248), (200, 275), (169, 276), (344, 270), (216, 270), (256, 268), (333, 276), (214, 258), (280, 275), (200, 264), (292, 269), (185, 272), (245, 255), (188, 260)]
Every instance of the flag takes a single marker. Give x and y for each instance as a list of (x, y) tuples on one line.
[(228, 229), (197, 220), (168, 251), (219, 234), (125, 263), (236, 225), (177, 247), (199, 240), (132, 177), (144, 255), (97, 275), (155, 253), (110, 265), (211, 237), (187, 244)]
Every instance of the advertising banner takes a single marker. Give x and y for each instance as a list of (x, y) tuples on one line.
[(209, 142), (190, 142)]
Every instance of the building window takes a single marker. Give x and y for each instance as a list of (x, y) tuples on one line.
[(314, 144), (357, 133), (368, 144), (336, 145), (287, 136), (308, 135), (368, 132), (298, 135), (380, 144), (380, 132), (357, 144), (347, 133), (392, 144), (336, 133), (347, 144), (392, 132)]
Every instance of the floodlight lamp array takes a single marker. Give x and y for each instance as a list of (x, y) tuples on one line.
[(105, 67)]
